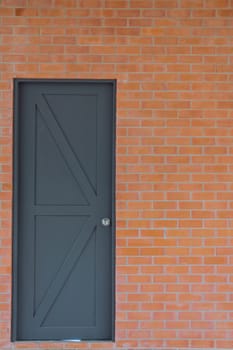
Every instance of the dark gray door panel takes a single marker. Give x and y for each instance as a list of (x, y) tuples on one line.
[(63, 252)]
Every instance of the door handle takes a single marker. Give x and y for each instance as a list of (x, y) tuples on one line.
[(105, 221)]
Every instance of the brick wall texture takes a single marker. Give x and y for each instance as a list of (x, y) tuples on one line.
[(173, 61)]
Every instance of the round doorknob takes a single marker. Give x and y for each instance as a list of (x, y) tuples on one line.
[(105, 222)]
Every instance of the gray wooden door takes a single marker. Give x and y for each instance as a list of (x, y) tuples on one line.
[(63, 250)]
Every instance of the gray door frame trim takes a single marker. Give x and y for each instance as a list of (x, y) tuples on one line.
[(15, 201)]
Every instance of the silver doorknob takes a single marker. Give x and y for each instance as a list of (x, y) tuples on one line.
[(105, 222)]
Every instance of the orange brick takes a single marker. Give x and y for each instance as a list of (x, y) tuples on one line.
[(6, 11)]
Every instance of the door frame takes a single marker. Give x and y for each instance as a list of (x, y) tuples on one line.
[(15, 198)]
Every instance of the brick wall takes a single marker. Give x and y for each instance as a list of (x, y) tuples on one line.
[(173, 60)]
